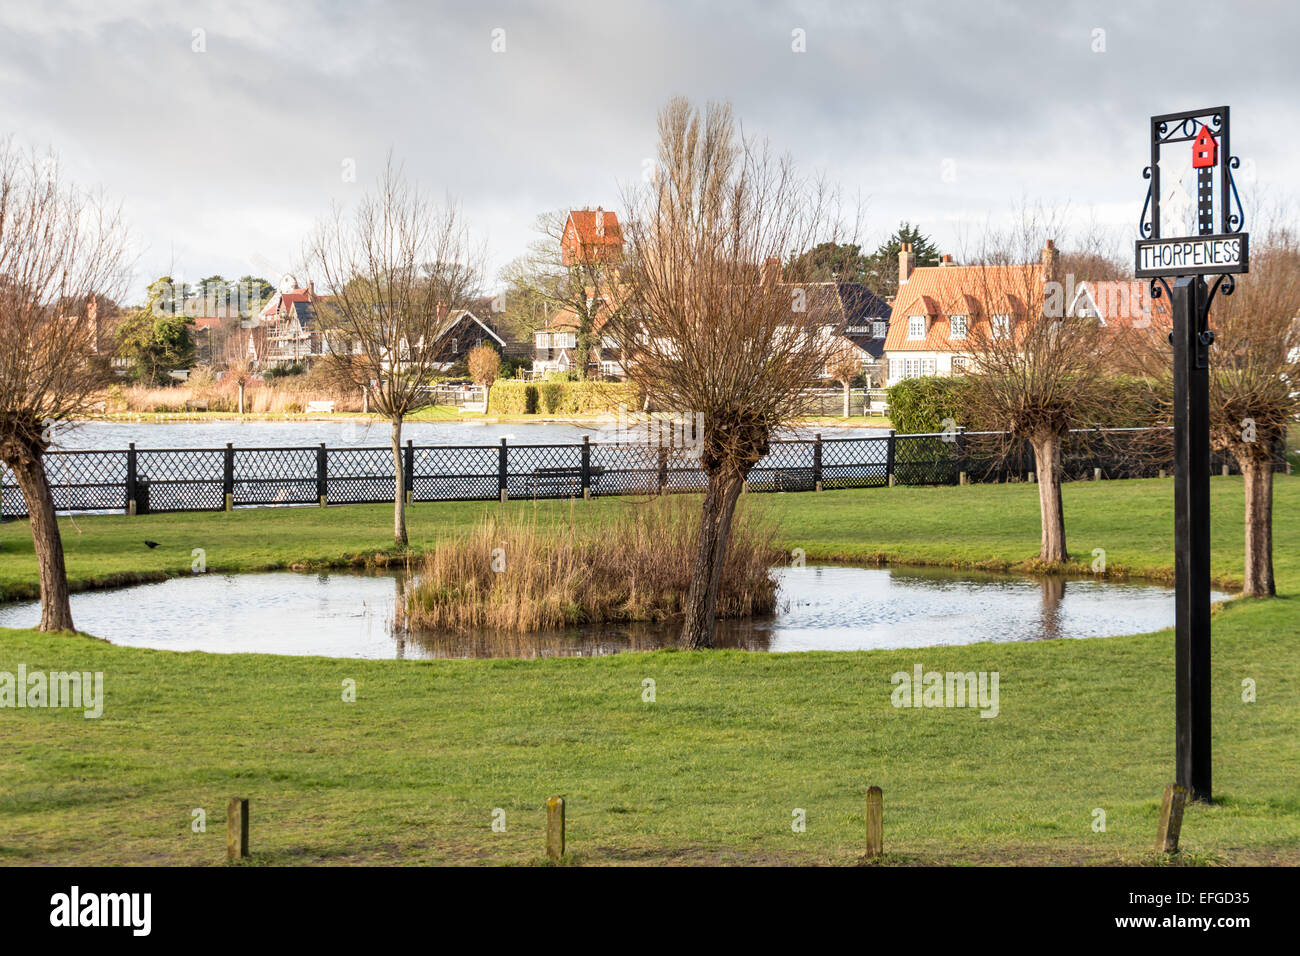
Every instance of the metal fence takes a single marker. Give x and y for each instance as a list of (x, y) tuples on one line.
[(137, 481)]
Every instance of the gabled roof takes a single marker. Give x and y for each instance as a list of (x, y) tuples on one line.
[(455, 318), (940, 292), (584, 222)]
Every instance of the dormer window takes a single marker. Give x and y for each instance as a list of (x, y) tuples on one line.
[(878, 329), (916, 326), (957, 324)]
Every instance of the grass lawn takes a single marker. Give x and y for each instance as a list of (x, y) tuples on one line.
[(713, 770)]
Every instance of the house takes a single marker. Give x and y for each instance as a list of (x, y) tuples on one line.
[(938, 309), (291, 319), (460, 332), (590, 237), (862, 319), (555, 344)]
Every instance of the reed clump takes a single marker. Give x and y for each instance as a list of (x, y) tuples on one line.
[(630, 563)]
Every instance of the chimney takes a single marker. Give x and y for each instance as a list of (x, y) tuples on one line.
[(311, 290), (946, 262), (1051, 262), (906, 263), (600, 223), (771, 270), (442, 312)]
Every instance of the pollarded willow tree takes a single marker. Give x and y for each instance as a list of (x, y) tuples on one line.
[(1255, 386), (712, 328), (61, 250), (1037, 368), (399, 269)]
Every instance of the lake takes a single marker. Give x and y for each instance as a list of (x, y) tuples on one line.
[(835, 608), (271, 434)]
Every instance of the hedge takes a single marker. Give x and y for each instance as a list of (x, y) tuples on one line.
[(560, 398), (920, 405)]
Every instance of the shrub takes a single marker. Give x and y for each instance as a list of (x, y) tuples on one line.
[(918, 405)]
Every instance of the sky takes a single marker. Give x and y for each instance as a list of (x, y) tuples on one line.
[(228, 129)]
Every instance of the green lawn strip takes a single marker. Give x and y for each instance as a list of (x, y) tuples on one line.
[(710, 772), (978, 526)]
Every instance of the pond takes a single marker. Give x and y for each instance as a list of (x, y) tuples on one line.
[(349, 614), (363, 432)]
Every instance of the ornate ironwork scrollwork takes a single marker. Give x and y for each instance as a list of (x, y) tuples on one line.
[(1146, 227)]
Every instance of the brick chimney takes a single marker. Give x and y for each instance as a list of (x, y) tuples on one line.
[(442, 312), (771, 270), (946, 262), (600, 223), (1051, 262), (906, 263)]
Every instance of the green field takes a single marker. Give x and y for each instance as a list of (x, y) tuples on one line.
[(713, 770)]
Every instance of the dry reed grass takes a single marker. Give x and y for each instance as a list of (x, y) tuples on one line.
[(633, 565)]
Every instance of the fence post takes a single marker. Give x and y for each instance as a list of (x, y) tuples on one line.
[(228, 477), (663, 469), (322, 476), (130, 478), (408, 468), (502, 473), (586, 467), (817, 462), (961, 456), (875, 822), (237, 828), (555, 828), (889, 459), (1171, 818)]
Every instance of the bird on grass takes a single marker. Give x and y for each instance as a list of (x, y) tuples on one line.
[(151, 544)]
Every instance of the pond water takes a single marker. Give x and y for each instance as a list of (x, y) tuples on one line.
[(264, 434), (348, 614)]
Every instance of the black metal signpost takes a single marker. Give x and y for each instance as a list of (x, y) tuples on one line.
[(1187, 260)]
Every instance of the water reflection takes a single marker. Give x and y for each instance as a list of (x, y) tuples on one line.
[(347, 614)]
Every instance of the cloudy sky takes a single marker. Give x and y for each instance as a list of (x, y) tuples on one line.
[(227, 129)]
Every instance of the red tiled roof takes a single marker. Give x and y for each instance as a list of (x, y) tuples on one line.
[(940, 292), (584, 221)]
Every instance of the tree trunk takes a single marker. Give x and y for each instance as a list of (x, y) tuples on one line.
[(1258, 477), (847, 392), (56, 613), (710, 552), (241, 398), (1047, 461), (399, 487)]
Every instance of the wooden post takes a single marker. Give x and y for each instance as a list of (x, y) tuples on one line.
[(1032, 478), (875, 822), (962, 479), (1096, 474), (889, 458), (1171, 818), (555, 828), (237, 828)]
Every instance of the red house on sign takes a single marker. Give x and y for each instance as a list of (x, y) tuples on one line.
[(1205, 151)]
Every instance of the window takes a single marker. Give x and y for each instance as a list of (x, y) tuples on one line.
[(960, 364), (916, 326), (543, 340), (1001, 325), (608, 342), (957, 324), (878, 329)]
